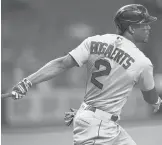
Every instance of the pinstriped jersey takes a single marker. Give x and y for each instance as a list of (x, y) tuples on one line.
[(114, 65)]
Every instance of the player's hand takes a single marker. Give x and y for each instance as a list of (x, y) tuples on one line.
[(157, 105), (69, 116), (20, 90)]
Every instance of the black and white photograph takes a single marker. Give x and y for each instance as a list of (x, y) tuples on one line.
[(81, 72)]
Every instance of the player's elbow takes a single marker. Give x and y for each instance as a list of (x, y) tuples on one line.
[(61, 64), (150, 96)]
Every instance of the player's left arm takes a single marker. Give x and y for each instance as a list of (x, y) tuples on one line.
[(52, 69), (47, 72), (76, 57)]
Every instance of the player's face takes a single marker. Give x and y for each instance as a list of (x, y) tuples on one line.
[(141, 33)]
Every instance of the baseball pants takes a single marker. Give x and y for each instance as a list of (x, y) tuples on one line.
[(93, 129)]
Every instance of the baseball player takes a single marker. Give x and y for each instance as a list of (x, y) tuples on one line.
[(114, 66)]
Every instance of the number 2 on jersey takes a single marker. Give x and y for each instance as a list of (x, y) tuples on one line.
[(104, 72)]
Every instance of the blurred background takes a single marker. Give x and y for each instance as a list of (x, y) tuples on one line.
[(37, 31)]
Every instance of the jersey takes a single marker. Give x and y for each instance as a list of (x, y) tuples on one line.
[(114, 66)]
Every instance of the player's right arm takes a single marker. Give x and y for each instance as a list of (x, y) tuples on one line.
[(76, 57), (147, 86)]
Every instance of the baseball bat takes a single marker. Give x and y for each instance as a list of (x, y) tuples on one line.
[(7, 95)]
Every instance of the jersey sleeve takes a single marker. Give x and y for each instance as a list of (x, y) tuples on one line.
[(82, 52), (146, 79)]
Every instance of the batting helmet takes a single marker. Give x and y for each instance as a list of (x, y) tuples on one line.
[(132, 14)]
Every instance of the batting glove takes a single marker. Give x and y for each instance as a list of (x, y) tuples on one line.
[(157, 105), (21, 89), (69, 116)]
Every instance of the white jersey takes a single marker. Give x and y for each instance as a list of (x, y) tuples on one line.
[(114, 66)]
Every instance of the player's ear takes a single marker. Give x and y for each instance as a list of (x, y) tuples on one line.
[(131, 29)]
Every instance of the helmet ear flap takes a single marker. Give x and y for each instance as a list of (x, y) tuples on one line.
[(119, 30), (121, 24), (122, 28)]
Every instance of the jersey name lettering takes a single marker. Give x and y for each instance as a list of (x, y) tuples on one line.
[(116, 54)]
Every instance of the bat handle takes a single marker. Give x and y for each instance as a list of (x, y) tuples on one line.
[(7, 95)]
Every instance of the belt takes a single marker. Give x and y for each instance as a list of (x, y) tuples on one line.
[(100, 112)]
